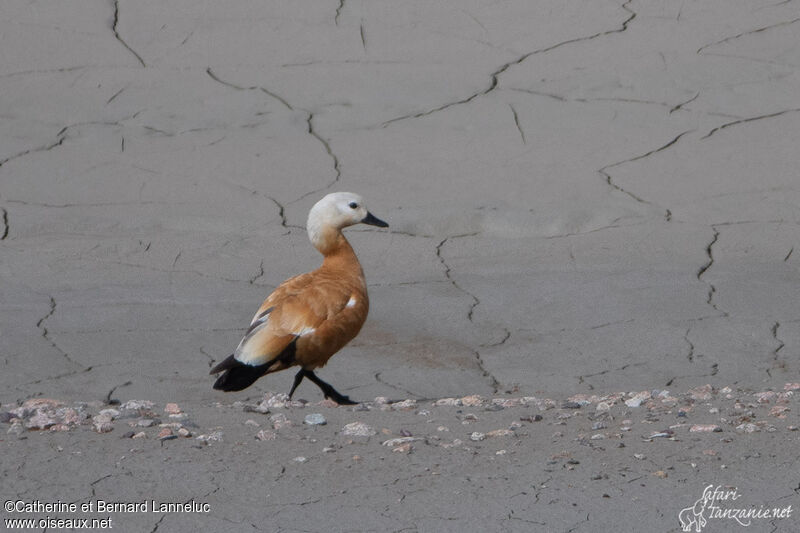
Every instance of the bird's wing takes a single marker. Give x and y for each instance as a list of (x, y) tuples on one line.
[(298, 308), (292, 286)]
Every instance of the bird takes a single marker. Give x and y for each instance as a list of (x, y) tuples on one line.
[(308, 317)]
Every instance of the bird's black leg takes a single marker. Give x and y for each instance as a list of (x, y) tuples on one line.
[(297, 379), (327, 390)]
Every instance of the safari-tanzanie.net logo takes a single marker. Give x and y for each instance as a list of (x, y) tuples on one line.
[(724, 505)]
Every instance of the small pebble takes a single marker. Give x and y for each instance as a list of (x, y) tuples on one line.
[(705, 428), (300, 459), (507, 402), (358, 429), (113, 413), (403, 448), (266, 434), (764, 397), (137, 404), (210, 437), (41, 420), (634, 402), (476, 436), (405, 405), (262, 408), (172, 408), (471, 401), (779, 411), (398, 441), (449, 402), (36, 403), (103, 427), (499, 433), (701, 393), (279, 421), (275, 400), (315, 419)]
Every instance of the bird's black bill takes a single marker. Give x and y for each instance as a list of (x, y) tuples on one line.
[(372, 220)]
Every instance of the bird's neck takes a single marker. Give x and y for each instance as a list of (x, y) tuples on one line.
[(336, 249)]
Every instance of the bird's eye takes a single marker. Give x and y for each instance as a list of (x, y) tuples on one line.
[(353, 205)]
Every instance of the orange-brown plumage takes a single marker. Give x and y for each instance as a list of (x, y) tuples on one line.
[(309, 317)]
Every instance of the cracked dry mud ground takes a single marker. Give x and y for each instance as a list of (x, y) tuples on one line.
[(584, 198)]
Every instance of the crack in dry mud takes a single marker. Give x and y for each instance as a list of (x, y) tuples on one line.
[(114, 25), (613, 185), (495, 76)]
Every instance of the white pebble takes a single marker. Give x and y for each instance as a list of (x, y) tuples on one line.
[(315, 419), (358, 429)]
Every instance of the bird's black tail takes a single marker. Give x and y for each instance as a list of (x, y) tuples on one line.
[(237, 375)]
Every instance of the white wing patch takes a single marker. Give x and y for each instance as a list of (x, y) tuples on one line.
[(259, 322), (351, 302)]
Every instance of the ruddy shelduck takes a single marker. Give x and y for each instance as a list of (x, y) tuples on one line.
[(309, 317)]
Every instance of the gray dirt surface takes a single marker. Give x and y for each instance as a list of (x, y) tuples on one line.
[(593, 242)]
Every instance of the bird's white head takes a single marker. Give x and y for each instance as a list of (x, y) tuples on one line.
[(336, 211)]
